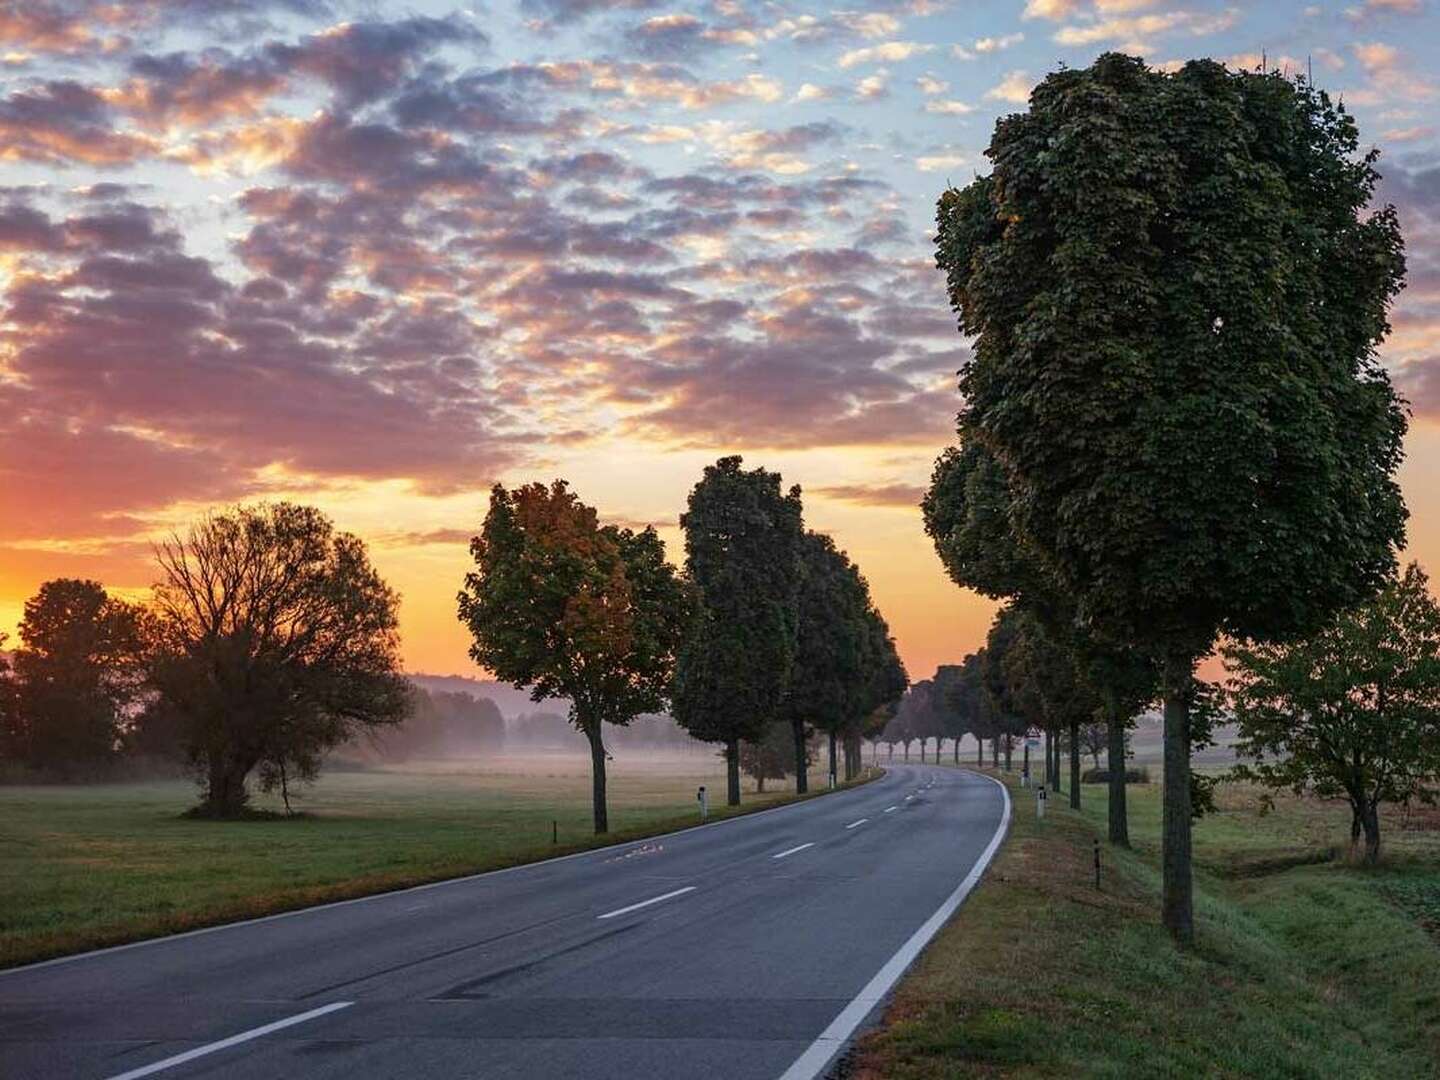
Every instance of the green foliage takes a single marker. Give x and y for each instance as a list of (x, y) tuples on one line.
[(79, 667), (1176, 295), (276, 640), (743, 544), (1352, 712), (1176, 307), (573, 609)]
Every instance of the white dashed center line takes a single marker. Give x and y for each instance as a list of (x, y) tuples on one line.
[(853, 824), (647, 903), (791, 851)]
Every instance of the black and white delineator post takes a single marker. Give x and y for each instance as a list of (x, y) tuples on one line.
[(704, 801), (1040, 801)]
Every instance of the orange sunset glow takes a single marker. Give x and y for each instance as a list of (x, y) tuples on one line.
[(378, 262)]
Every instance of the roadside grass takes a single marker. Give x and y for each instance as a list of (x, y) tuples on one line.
[(87, 866), (1302, 968)]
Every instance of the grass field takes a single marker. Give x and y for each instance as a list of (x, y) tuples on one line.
[(1304, 968), (87, 866)]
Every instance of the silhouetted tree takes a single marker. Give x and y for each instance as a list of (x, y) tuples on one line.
[(1175, 303), (575, 610), (742, 556), (79, 669), (276, 641), (771, 758)]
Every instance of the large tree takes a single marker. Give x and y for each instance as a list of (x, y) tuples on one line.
[(276, 640), (79, 669), (743, 538), (1176, 294), (1352, 712), (576, 610), (829, 641)]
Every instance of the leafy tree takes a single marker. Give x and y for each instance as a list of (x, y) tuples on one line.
[(1352, 712), (879, 681), (575, 610), (276, 640), (743, 540), (828, 647), (771, 758), (1176, 301), (79, 668)]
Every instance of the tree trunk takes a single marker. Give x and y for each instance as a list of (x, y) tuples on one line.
[(597, 778), (760, 783), (1074, 764), (1119, 818), (957, 750), (995, 751), (854, 756), (1054, 750), (1177, 890), (802, 772), (1370, 822), (834, 777), (732, 772), (225, 792), (979, 751), (892, 751), (1009, 751), (1025, 763)]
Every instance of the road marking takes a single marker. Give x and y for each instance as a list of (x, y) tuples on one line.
[(813, 1062), (855, 823), (791, 851), (888, 809), (233, 1040), (647, 903)]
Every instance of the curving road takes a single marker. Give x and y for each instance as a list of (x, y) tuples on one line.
[(749, 948)]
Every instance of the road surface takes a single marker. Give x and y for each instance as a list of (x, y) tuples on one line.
[(749, 948)]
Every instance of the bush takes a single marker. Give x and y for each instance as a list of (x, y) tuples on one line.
[(1102, 776)]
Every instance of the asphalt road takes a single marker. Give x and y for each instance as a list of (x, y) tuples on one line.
[(748, 948)]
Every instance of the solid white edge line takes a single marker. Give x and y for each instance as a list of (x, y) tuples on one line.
[(854, 824), (588, 852), (792, 851), (647, 903), (233, 1040), (812, 1063)]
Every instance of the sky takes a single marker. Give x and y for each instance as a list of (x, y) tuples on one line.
[(377, 257)]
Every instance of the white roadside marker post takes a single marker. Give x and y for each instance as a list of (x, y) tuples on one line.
[(1040, 801), (704, 802)]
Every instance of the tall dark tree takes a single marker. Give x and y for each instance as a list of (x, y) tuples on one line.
[(830, 632), (771, 758), (743, 539), (1352, 712), (11, 734), (79, 668), (576, 610), (1176, 294), (276, 640)]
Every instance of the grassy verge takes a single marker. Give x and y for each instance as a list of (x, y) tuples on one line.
[(1303, 968), (85, 867)]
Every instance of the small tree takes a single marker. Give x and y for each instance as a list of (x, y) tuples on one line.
[(742, 556), (276, 641), (1176, 296), (771, 758), (1352, 712), (80, 666), (576, 610)]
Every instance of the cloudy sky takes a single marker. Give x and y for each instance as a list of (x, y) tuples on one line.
[(378, 256)]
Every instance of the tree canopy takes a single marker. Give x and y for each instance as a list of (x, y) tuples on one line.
[(1352, 712), (1176, 295), (574, 609), (275, 640), (743, 539)]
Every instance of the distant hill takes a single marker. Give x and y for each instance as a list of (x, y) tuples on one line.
[(511, 702)]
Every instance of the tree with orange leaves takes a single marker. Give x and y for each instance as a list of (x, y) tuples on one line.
[(574, 609)]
